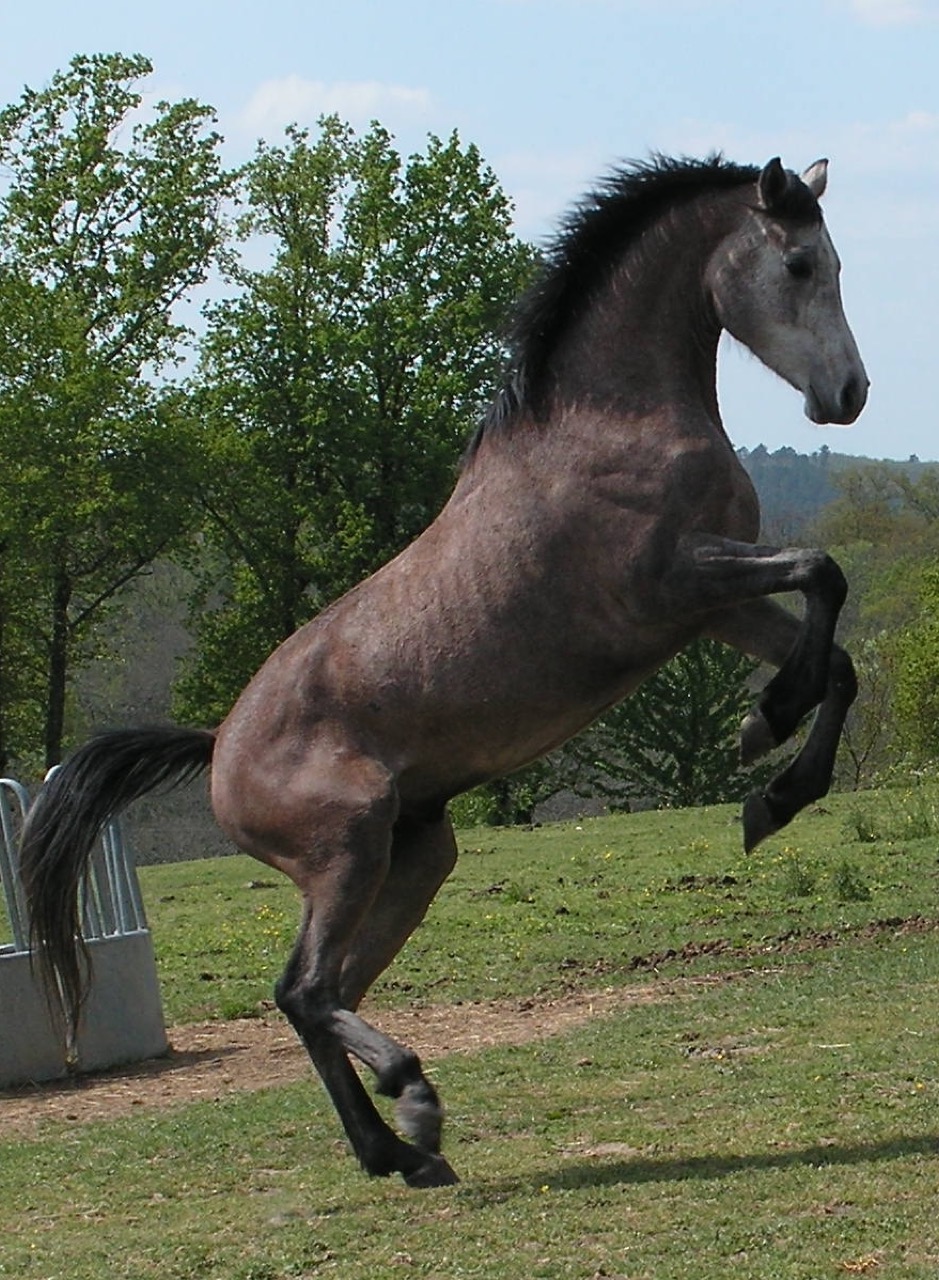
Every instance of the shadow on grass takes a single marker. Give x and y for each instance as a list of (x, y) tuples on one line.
[(171, 1061), (705, 1168)]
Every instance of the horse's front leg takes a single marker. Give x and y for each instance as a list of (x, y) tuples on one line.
[(720, 575), (766, 631)]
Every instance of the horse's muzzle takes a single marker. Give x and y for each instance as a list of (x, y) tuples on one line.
[(843, 408)]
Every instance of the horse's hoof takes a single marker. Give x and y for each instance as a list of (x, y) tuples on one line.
[(434, 1172), (759, 821), (756, 737)]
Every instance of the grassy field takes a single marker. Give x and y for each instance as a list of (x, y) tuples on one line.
[(781, 1122), (570, 904)]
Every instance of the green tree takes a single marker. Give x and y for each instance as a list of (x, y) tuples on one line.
[(868, 509), (884, 531), (917, 675), (108, 217), (338, 383), (674, 742), (869, 743)]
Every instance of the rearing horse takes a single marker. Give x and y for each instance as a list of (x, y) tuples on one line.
[(600, 522)]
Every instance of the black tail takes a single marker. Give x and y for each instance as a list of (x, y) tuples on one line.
[(93, 785)]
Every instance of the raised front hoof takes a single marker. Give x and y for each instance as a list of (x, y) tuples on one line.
[(759, 821), (434, 1172), (756, 737)]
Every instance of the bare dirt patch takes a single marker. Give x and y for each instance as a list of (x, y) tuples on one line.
[(208, 1060), (794, 942)]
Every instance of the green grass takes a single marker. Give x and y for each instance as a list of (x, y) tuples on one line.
[(781, 1121), (560, 906), (782, 1124)]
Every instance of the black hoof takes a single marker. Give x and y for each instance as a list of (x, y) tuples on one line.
[(756, 737), (434, 1172), (759, 820)]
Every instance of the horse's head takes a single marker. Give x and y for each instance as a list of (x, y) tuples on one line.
[(774, 284)]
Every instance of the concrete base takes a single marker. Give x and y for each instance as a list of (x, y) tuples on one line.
[(31, 1046), (121, 1022), (123, 1018)]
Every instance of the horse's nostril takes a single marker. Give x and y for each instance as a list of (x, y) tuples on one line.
[(852, 396)]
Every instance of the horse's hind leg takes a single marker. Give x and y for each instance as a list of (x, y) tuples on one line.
[(422, 856), (344, 884)]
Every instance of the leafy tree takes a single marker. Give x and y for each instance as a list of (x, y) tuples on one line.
[(868, 508), (884, 531), (675, 741), (870, 739), (108, 217), (792, 487), (338, 382), (917, 679)]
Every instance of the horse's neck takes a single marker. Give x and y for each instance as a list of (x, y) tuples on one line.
[(651, 338)]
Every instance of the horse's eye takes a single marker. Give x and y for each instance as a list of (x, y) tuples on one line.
[(799, 265)]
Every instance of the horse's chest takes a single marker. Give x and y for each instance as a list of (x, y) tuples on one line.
[(738, 509), (672, 492), (708, 491)]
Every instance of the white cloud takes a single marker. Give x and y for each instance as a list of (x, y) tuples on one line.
[(543, 184), (885, 13), (879, 149), (883, 183), (294, 100), (889, 149)]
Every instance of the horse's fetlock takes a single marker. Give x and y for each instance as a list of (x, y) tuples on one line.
[(403, 1072), (420, 1115), (757, 736), (380, 1158)]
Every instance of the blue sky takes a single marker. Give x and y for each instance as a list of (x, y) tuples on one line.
[(556, 91)]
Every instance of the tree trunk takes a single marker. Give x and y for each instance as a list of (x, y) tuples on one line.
[(58, 667), (4, 702), (6, 684)]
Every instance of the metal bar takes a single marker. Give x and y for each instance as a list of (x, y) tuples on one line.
[(99, 877), (9, 874), (111, 902), (124, 880)]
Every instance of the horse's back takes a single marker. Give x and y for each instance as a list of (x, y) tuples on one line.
[(522, 612)]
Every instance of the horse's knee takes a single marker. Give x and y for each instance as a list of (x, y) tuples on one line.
[(830, 579), (842, 677), (304, 1008)]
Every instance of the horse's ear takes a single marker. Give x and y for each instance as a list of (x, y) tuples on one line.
[(816, 178), (772, 185)]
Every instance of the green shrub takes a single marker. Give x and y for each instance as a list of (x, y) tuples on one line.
[(848, 883)]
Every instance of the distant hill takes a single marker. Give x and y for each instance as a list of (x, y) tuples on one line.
[(794, 487)]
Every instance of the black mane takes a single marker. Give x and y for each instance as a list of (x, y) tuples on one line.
[(585, 250)]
